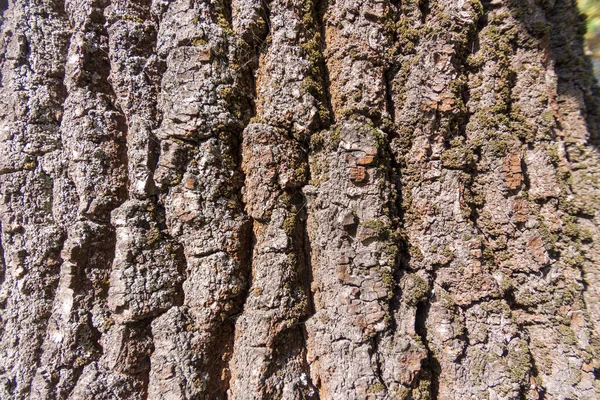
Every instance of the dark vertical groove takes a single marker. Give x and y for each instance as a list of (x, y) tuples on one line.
[(104, 86), (319, 10), (395, 178), (249, 60), (307, 248), (225, 8), (388, 77), (374, 348), (304, 259), (424, 8), (3, 8), (432, 366)]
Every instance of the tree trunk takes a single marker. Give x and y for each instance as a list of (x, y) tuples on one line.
[(343, 199)]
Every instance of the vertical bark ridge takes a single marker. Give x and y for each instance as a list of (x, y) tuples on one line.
[(147, 270), (557, 302), (498, 136), (93, 132), (200, 183), (32, 237), (350, 218), (431, 117), (269, 355)]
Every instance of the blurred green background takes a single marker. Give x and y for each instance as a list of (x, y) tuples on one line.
[(591, 9)]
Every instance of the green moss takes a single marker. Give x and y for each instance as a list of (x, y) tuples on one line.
[(222, 21), (567, 335), (574, 261), (133, 18), (475, 62), (334, 137), (415, 253), (286, 199), (581, 205), (312, 87), (548, 118), (316, 141), (152, 236), (403, 393), (477, 8), (570, 227), (406, 35), (458, 156), (552, 153), (199, 384), (198, 42), (488, 255), (313, 51), (550, 239), (448, 253), (586, 235), (30, 165), (519, 362), (300, 173), (388, 281), (390, 247), (376, 225), (416, 289), (568, 296), (289, 224), (495, 307), (226, 93), (377, 387)]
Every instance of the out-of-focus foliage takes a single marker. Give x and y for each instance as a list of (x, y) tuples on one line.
[(591, 9)]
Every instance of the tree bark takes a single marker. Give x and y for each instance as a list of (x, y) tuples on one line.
[(316, 199)]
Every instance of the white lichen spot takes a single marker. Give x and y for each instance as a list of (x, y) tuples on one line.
[(57, 336), (303, 379)]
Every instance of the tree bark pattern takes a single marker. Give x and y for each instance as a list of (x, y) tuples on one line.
[(316, 199)]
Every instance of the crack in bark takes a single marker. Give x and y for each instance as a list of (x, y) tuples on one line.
[(432, 368)]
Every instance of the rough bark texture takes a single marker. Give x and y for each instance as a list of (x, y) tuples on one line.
[(276, 199)]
